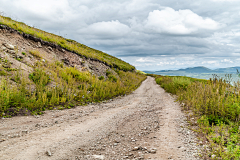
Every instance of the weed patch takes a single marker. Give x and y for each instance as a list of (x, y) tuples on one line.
[(2, 73)]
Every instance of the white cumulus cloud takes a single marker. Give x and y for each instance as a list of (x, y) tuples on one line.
[(182, 22), (226, 0), (209, 62), (144, 60), (108, 29), (227, 60)]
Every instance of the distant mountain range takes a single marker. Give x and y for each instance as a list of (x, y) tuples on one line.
[(196, 70)]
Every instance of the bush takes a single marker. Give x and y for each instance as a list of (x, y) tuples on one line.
[(2, 73), (108, 73), (40, 77), (101, 78), (112, 78)]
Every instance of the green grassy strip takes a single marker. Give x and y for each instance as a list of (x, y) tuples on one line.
[(68, 44), (55, 86), (216, 105), (141, 72)]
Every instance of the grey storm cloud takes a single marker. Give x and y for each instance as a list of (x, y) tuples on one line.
[(150, 34)]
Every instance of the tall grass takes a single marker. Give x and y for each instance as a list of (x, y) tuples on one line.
[(68, 44), (175, 84), (216, 105), (53, 85)]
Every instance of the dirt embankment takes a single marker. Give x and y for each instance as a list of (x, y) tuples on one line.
[(146, 124), (15, 53)]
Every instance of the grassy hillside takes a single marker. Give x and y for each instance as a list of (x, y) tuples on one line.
[(67, 44), (216, 106), (56, 86), (41, 82)]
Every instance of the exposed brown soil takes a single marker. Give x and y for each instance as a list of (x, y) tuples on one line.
[(26, 62), (146, 124)]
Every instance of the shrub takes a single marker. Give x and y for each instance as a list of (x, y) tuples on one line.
[(108, 73), (112, 78), (101, 78), (2, 72), (40, 77)]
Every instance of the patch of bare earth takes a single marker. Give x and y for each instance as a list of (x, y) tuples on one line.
[(16, 50), (146, 124)]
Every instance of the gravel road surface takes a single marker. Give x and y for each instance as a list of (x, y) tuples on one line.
[(147, 124)]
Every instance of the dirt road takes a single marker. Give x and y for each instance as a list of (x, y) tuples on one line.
[(146, 124)]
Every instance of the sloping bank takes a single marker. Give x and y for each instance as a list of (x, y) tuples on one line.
[(40, 71), (214, 112)]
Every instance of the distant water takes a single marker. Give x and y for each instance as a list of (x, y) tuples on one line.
[(234, 77)]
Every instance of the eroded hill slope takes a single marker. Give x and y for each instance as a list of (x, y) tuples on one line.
[(36, 75)]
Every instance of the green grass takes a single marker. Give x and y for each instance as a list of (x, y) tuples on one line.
[(3, 73), (68, 44), (2, 70), (141, 72), (101, 78), (53, 85), (216, 105)]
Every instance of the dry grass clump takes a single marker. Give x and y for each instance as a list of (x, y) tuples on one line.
[(35, 53)]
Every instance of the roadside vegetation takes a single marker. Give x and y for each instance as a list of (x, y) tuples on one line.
[(215, 103), (69, 44), (141, 72), (56, 86)]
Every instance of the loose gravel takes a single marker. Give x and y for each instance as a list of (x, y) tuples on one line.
[(147, 124)]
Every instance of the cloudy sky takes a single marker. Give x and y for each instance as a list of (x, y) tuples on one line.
[(150, 34)]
